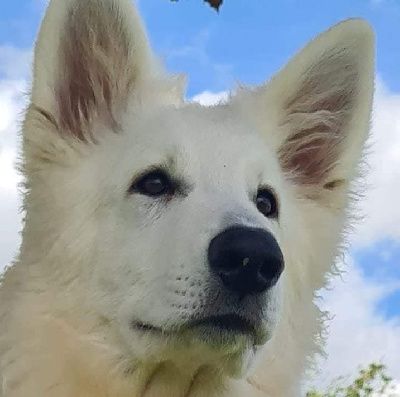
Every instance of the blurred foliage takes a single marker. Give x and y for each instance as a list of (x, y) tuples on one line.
[(371, 381)]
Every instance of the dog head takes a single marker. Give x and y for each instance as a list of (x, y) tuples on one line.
[(189, 231)]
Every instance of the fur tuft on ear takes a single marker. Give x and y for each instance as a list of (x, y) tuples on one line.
[(323, 100), (91, 55), (96, 72)]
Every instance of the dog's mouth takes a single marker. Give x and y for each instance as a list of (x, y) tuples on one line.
[(228, 323)]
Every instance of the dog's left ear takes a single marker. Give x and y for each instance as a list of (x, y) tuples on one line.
[(322, 103), (91, 57)]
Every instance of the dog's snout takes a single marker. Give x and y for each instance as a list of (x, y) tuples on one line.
[(247, 260)]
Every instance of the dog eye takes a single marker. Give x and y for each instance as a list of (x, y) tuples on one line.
[(266, 203), (154, 184)]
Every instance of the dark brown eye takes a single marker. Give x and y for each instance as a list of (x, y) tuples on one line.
[(266, 203), (154, 184)]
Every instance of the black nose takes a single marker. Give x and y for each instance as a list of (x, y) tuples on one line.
[(248, 260)]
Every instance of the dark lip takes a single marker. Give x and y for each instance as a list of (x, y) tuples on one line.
[(227, 322)]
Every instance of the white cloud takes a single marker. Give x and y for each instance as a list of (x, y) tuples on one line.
[(358, 335), (13, 69), (208, 98), (381, 207), (11, 104)]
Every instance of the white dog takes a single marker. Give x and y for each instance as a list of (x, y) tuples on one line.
[(171, 249)]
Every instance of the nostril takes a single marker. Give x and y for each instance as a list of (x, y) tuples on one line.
[(271, 270)]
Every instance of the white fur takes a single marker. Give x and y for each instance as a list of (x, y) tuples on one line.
[(95, 258)]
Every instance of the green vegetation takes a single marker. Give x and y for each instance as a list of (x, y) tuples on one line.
[(371, 381)]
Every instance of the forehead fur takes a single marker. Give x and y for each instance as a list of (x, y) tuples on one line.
[(201, 139)]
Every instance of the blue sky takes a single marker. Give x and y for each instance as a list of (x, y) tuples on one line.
[(381, 262), (247, 40), (245, 43)]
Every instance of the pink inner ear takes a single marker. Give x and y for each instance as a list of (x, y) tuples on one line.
[(310, 155), (317, 117), (94, 76)]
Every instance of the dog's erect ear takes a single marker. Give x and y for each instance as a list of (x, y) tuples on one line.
[(322, 100), (91, 55)]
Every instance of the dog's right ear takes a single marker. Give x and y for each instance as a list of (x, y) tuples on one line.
[(320, 103), (90, 57)]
